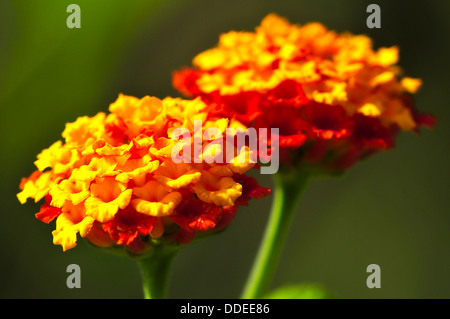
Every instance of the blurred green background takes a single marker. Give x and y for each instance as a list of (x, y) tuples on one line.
[(391, 210)]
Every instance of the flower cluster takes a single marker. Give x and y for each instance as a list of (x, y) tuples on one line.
[(114, 181), (333, 98)]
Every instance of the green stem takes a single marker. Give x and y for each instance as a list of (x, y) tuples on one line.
[(288, 188), (155, 271)]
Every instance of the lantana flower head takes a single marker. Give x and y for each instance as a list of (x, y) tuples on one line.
[(333, 97), (113, 179)]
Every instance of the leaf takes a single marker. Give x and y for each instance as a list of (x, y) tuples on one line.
[(300, 291)]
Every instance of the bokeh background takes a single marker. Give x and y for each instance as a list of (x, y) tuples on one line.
[(391, 210)]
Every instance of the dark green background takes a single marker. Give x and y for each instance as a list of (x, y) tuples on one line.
[(391, 210)]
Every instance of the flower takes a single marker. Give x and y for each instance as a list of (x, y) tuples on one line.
[(333, 97), (113, 180)]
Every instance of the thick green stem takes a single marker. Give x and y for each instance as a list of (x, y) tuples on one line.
[(155, 271), (288, 189)]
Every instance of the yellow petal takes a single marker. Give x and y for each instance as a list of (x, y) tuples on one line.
[(383, 78), (84, 129), (386, 56), (67, 228), (135, 168), (370, 109), (107, 197), (38, 186), (155, 199), (98, 167), (61, 158), (210, 59), (73, 191), (162, 148), (164, 207), (176, 175), (221, 191), (411, 85)]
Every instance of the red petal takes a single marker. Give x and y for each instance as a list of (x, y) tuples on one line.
[(127, 225), (185, 81), (326, 121), (250, 189), (369, 132), (426, 120), (47, 212), (244, 106), (185, 237), (194, 214), (288, 93), (228, 213)]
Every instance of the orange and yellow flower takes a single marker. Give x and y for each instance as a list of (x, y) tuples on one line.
[(333, 97), (113, 181)]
